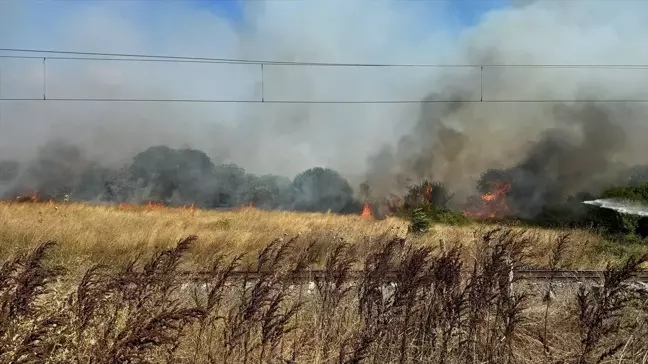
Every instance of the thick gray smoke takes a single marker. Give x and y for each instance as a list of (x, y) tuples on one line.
[(174, 177), (555, 148), (547, 151)]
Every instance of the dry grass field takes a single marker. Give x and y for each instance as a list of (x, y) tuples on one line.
[(88, 234), (452, 300)]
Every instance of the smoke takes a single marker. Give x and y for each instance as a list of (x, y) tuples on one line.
[(550, 150), (554, 148), (265, 138)]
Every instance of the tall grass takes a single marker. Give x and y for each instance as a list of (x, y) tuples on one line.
[(110, 235), (412, 304)]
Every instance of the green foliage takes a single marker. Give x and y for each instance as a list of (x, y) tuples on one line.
[(427, 202), (631, 193), (620, 224), (420, 222), (447, 216)]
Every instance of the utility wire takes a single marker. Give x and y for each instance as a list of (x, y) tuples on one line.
[(207, 101), (169, 58), (96, 56)]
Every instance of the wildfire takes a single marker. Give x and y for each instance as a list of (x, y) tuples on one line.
[(366, 210), (491, 205), (248, 206), (155, 205)]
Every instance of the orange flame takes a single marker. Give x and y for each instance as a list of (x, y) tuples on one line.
[(155, 205), (493, 204), (366, 210), (428, 193)]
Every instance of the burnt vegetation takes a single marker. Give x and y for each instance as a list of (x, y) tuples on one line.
[(410, 305), (173, 177), (534, 192)]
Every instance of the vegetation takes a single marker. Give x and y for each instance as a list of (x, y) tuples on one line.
[(410, 305), (420, 222), (114, 288), (612, 222), (172, 177), (431, 199), (113, 235)]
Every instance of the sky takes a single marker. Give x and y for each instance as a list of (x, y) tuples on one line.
[(39, 17), (288, 138), (466, 12)]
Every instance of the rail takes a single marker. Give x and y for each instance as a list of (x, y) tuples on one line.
[(522, 274)]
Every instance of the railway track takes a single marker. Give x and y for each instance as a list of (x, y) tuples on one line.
[(523, 274)]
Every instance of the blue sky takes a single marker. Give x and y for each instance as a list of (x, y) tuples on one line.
[(466, 12), (37, 20)]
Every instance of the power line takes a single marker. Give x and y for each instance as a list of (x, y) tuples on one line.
[(190, 59), (130, 59), (207, 101)]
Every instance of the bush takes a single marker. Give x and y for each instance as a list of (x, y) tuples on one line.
[(426, 194), (322, 189), (617, 223), (420, 221)]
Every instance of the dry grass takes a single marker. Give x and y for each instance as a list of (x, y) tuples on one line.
[(88, 234), (438, 308)]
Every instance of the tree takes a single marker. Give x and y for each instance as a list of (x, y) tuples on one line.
[(321, 189), (162, 173)]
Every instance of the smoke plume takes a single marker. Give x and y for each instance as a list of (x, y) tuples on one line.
[(550, 149)]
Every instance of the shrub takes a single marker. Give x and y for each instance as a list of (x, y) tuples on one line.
[(420, 221), (617, 223), (322, 189)]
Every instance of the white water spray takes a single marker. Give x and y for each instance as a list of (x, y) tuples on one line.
[(625, 207)]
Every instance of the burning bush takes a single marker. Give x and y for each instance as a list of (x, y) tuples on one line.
[(432, 200)]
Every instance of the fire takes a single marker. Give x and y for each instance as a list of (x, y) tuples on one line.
[(491, 205), (366, 210), (428, 193), (246, 207), (155, 205)]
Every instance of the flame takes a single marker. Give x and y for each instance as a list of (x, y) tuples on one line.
[(492, 205), (428, 193), (155, 205), (34, 197), (366, 210)]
